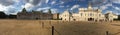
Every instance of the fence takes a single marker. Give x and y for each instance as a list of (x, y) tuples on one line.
[(54, 31)]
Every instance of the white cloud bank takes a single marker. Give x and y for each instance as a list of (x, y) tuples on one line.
[(28, 5), (47, 1), (53, 2), (116, 1), (103, 7), (2, 8), (74, 6), (45, 8)]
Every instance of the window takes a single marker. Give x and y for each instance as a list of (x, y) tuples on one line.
[(85, 14), (90, 14), (74, 19), (81, 14), (99, 14), (65, 15)]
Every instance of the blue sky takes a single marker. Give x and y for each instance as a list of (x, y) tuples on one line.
[(58, 6)]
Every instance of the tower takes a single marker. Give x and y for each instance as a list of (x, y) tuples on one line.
[(89, 6)]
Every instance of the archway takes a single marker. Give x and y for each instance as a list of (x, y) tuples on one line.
[(36, 18), (74, 19), (90, 19)]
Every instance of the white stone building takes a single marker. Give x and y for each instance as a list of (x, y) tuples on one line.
[(87, 14), (110, 16), (65, 16)]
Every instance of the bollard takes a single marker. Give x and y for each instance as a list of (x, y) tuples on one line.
[(42, 25), (107, 33), (50, 22), (52, 30)]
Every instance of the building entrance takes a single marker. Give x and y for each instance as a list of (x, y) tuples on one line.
[(90, 19)]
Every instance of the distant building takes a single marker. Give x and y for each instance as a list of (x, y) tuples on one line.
[(110, 16), (11, 16), (65, 16), (56, 16), (38, 15), (87, 14)]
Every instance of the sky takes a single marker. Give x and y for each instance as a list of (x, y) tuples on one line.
[(58, 6)]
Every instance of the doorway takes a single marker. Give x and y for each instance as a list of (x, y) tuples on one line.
[(74, 19), (90, 19)]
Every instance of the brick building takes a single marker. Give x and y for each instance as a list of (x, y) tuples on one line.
[(37, 15)]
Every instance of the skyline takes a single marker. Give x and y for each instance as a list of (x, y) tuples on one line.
[(15, 6)]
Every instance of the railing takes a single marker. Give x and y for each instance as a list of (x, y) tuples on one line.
[(108, 33), (54, 31)]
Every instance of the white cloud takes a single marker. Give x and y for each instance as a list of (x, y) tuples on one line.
[(117, 13), (2, 8), (39, 9), (7, 2), (47, 1), (117, 8), (116, 1), (75, 6), (67, 6), (30, 0), (45, 11), (108, 12), (28, 5), (53, 2), (54, 10), (103, 7), (99, 2), (61, 2), (8, 9), (95, 7), (33, 2), (62, 6), (109, 4), (11, 10), (16, 0)]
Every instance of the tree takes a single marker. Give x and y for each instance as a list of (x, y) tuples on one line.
[(12, 16), (2, 15), (24, 10), (49, 11), (118, 17)]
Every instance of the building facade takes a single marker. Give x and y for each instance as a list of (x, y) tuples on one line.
[(37, 15), (110, 16), (56, 16), (86, 14), (65, 16)]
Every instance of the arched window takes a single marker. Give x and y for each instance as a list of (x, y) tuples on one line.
[(90, 14)]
